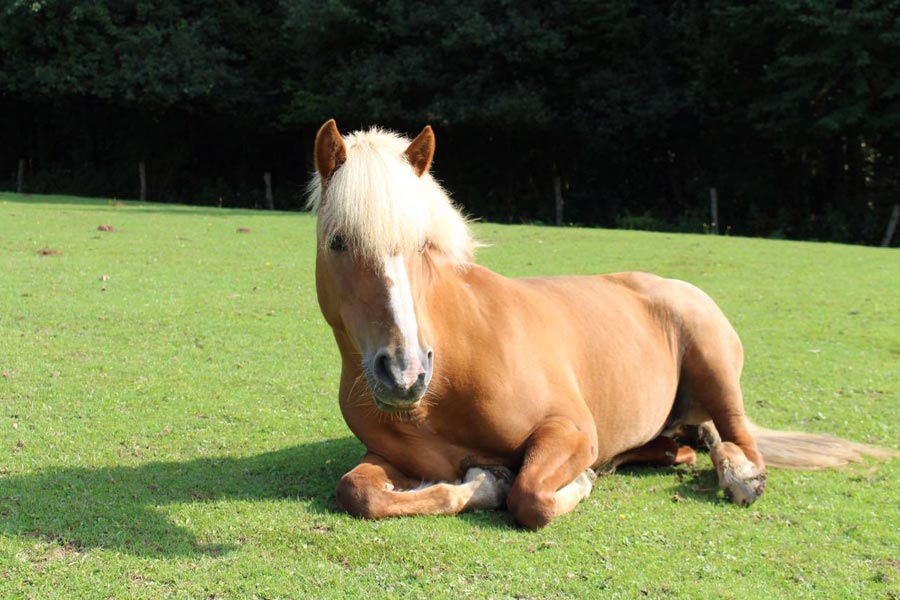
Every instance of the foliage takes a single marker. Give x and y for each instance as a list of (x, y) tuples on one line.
[(148, 54), (789, 108)]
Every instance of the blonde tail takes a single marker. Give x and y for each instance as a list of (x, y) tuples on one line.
[(811, 451)]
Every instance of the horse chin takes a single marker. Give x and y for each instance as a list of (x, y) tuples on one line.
[(390, 405)]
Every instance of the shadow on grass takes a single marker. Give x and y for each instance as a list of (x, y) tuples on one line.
[(118, 507), (121, 507)]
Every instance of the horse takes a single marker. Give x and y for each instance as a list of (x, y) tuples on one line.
[(471, 390)]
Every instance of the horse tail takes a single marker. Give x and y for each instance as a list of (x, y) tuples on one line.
[(811, 451)]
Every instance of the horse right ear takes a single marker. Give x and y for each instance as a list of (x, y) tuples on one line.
[(330, 152)]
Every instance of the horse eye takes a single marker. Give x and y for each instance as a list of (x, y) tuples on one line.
[(337, 244)]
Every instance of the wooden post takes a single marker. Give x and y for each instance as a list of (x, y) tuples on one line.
[(270, 202), (557, 196), (892, 226), (714, 210), (20, 180), (142, 172)]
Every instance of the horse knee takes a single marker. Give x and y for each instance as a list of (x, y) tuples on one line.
[(531, 508), (356, 498)]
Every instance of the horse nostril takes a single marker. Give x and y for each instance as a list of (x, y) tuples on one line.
[(383, 370)]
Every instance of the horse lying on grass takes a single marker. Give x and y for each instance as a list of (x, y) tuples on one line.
[(513, 391)]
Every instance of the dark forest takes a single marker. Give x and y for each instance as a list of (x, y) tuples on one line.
[(612, 114)]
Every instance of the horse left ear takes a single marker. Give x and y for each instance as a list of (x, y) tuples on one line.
[(421, 151)]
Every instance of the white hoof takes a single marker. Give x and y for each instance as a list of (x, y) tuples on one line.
[(491, 487), (742, 483)]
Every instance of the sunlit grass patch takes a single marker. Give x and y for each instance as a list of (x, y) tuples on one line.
[(169, 423)]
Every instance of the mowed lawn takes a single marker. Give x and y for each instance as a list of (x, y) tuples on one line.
[(169, 423)]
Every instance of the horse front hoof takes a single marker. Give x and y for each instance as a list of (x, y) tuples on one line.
[(491, 486)]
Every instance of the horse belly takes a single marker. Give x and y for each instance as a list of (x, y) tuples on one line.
[(630, 377), (630, 413)]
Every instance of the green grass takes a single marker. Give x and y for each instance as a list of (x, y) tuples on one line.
[(169, 424)]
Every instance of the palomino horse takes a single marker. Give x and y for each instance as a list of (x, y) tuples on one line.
[(471, 390)]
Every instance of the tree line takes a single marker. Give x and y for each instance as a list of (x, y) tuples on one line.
[(777, 118)]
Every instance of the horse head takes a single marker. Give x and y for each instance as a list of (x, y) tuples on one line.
[(379, 218)]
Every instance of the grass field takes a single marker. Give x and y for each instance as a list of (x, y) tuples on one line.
[(169, 423)]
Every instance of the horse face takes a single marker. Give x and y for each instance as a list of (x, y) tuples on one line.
[(372, 308), (370, 302)]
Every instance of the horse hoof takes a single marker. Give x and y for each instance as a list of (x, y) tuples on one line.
[(743, 483), (493, 485), (501, 474)]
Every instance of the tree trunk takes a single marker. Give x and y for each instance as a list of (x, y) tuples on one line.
[(142, 172), (20, 179), (892, 226), (270, 201), (714, 210)]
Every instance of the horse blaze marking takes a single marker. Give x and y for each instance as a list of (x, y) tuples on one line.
[(402, 307)]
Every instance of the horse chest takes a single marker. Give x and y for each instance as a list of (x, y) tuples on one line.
[(434, 449)]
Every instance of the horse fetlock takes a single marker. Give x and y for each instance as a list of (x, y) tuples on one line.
[(585, 482), (708, 435), (491, 485), (576, 491)]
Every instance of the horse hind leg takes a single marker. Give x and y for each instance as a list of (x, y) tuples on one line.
[(741, 478), (711, 379), (662, 451)]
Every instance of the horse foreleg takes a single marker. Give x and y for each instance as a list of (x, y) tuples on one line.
[(555, 474), (375, 489)]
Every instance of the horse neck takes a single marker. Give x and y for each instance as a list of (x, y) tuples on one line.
[(453, 313), (441, 280)]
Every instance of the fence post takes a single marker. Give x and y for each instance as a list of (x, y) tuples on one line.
[(714, 209), (142, 172), (20, 179), (270, 201), (558, 202), (892, 226)]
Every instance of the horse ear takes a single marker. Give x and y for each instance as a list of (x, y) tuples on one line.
[(421, 151), (330, 152)]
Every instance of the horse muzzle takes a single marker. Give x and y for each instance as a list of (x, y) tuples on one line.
[(399, 381)]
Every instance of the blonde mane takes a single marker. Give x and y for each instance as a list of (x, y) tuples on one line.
[(378, 205)]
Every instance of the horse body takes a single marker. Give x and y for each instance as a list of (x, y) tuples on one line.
[(499, 338), (503, 391)]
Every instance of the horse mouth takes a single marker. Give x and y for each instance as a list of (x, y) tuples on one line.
[(395, 400)]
